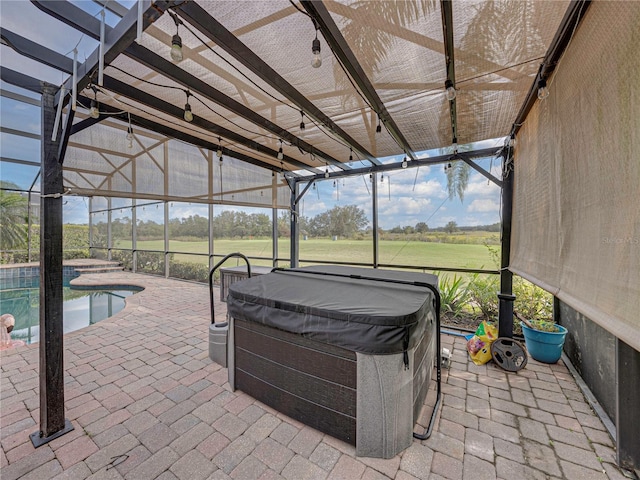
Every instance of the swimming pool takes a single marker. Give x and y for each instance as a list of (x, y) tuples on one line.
[(81, 308)]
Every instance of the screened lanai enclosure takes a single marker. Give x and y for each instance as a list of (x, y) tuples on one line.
[(256, 104)]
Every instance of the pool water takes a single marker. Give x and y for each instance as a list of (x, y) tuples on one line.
[(81, 308)]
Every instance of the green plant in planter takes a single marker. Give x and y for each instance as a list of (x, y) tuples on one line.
[(542, 325)]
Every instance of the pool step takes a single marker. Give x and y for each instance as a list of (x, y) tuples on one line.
[(106, 268)]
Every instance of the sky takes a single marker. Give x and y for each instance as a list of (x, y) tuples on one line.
[(405, 197)]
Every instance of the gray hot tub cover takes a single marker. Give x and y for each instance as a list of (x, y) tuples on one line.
[(367, 316)]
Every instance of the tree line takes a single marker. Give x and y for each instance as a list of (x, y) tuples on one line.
[(340, 221)]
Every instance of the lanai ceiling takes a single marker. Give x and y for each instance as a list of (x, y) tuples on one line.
[(247, 75)]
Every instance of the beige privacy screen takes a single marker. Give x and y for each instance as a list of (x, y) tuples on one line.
[(576, 217)]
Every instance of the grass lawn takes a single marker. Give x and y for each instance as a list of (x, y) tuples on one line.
[(410, 253)]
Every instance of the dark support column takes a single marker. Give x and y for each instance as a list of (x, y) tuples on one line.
[(52, 421), (294, 225), (627, 411), (274, 236), (374, 204), (506, 297)]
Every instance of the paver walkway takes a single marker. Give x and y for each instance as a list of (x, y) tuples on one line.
[(147, 402)]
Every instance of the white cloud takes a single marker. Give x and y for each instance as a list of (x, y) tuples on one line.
[(482, 187), (484, 206)]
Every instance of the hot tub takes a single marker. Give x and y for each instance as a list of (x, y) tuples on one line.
[(348, 351)]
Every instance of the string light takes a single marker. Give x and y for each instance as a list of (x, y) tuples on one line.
[(450, 90), (350, 156), (129, 133), (405, 164), (188, 114), (129, 137), (302, 126), (454, 144), (280, 153), (94, 111), (315, 49), (543, 90), (176, 41), (219, 151), (379, 127), (326, 173)]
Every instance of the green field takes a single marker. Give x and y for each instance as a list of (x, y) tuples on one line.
[(405, 253)]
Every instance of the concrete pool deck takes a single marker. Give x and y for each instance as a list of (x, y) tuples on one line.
[(147, 402)]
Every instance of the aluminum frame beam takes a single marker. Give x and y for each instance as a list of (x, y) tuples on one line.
[(572, 17), (482, 153), (215, 31), (154, 102), (340, 48), (185, 137), (447, 32), (117, 39), (85, 23), (21, 80)]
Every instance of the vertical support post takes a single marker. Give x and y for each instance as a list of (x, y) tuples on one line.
[(274, 233), (90, 226), (627, 411), (506, 297), (52, 421), (211, 244), (134, 235), (294, 226), (29, 226), (109, 236), (166, 239), (374, 203)]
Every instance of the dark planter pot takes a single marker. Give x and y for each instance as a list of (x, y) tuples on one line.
[(544, 347)]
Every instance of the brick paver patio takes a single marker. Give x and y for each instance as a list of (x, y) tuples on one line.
[(147, 402)]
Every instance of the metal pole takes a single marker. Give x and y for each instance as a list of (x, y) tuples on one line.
[(294, 226), (506, 297), (274, 235), (52, 421), (90, 226), (134, 235), (374, 203)]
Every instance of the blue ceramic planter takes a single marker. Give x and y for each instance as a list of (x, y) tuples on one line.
[(545, 347)]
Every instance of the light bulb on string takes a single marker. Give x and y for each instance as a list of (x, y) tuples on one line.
[(350, 156), (280, 155), (454, 145), (543, 90), (302, 125), (129, 137), (188, 114), (326, 173), (94, 111), (405, 164), (316, 62), (176, 41), (450, 90), (379, 127), (382, 178), (219, 151)]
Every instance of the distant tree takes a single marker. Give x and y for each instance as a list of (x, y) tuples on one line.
[(396, 229), (451, 227), (421, 227), (408, 230), (13, 218), (339, 221), (284, 224)]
